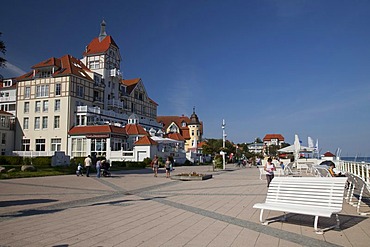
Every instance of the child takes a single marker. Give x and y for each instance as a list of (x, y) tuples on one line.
[(79, 170)]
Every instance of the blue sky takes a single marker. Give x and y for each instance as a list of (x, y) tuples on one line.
[(265, 66)]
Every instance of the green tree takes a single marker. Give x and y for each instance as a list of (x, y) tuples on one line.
[(212, 146), (272, 150), (2, 50), (258, 140)]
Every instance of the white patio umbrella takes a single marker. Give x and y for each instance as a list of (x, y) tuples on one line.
[(297, 148)]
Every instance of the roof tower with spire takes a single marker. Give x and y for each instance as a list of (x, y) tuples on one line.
[(194, 118)]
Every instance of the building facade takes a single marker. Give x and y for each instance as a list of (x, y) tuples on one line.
[(61, 94), (8, 89), (273, 139), (190, 129), (6, 133)]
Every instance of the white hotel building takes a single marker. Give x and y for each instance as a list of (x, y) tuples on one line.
[(61, 94)]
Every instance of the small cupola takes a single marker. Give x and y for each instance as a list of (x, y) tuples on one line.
[(194, 118)]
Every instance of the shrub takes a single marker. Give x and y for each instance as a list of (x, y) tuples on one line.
[(218, 161), (11, 160), (41, 162), (76, 160), (131, 164), (118, 164), (147, 161), (187, 163)]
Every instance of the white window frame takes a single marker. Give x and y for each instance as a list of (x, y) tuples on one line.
[(56, 122), (58, 89), (45, 105), (42, 91), (56, 144), (26, 123), (38, 106), (26, 107), (37, 123), (57, 105), (40, 144), (27, 92), (44, 122)]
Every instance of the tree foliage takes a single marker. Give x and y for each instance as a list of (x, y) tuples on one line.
[(2, 50), (214, 146)]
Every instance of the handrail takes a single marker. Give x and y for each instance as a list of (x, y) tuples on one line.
[(359, 169)]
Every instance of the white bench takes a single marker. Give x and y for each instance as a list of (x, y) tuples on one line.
[(316, 196)]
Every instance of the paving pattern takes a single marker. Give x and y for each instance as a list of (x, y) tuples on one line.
[(134, 208)]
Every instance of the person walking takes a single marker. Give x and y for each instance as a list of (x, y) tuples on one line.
[(98, 166), (87, 164), (167, 165), (155, 164), (269, 169)]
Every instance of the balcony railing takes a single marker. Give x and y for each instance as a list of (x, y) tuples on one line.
[(116, 103), (116, 116), (7, 99), (33, 153)]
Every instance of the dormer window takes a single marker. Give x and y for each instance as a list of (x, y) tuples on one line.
[(183, 124), (45, 74), (7, 83)]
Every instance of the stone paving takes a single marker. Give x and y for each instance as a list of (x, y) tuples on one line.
[(134, 208)]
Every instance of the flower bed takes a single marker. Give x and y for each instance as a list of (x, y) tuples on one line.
[(193, 176)]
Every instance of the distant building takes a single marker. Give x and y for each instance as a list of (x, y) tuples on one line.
[(188, 129), (256, 147), (6, 133), (273, 139), (8, 93), (328, 156)]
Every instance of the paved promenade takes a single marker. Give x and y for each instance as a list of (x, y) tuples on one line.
[(134, 208)]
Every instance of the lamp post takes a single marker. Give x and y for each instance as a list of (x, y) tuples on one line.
[(223, 144)]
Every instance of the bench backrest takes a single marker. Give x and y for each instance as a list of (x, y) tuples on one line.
[(321, 172), (322, 192)]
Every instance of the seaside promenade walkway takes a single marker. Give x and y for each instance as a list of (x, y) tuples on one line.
[(133, 208)]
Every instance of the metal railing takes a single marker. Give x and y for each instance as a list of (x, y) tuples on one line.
[(360, 169)]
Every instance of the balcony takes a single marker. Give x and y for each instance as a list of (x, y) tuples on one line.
[(99, 86), (98, 100), (7, 99), (116, 103)]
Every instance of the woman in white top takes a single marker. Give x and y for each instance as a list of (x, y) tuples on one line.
[(269, 169)]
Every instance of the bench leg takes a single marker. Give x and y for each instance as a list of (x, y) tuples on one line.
[(338, 222), (261, 217), (266, 222), (321, 231)]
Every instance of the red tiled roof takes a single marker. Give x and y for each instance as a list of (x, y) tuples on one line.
[(48, 63), (5, 113), (97, 47), (145, 140), (184, 131), (66, 65), (130, 84), (269, 137), (97, 129), (328, 154), (176, 136), (201, 144), (135, 129)]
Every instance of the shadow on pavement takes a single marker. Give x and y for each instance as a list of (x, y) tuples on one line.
[(25, 202), (123, 201)]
